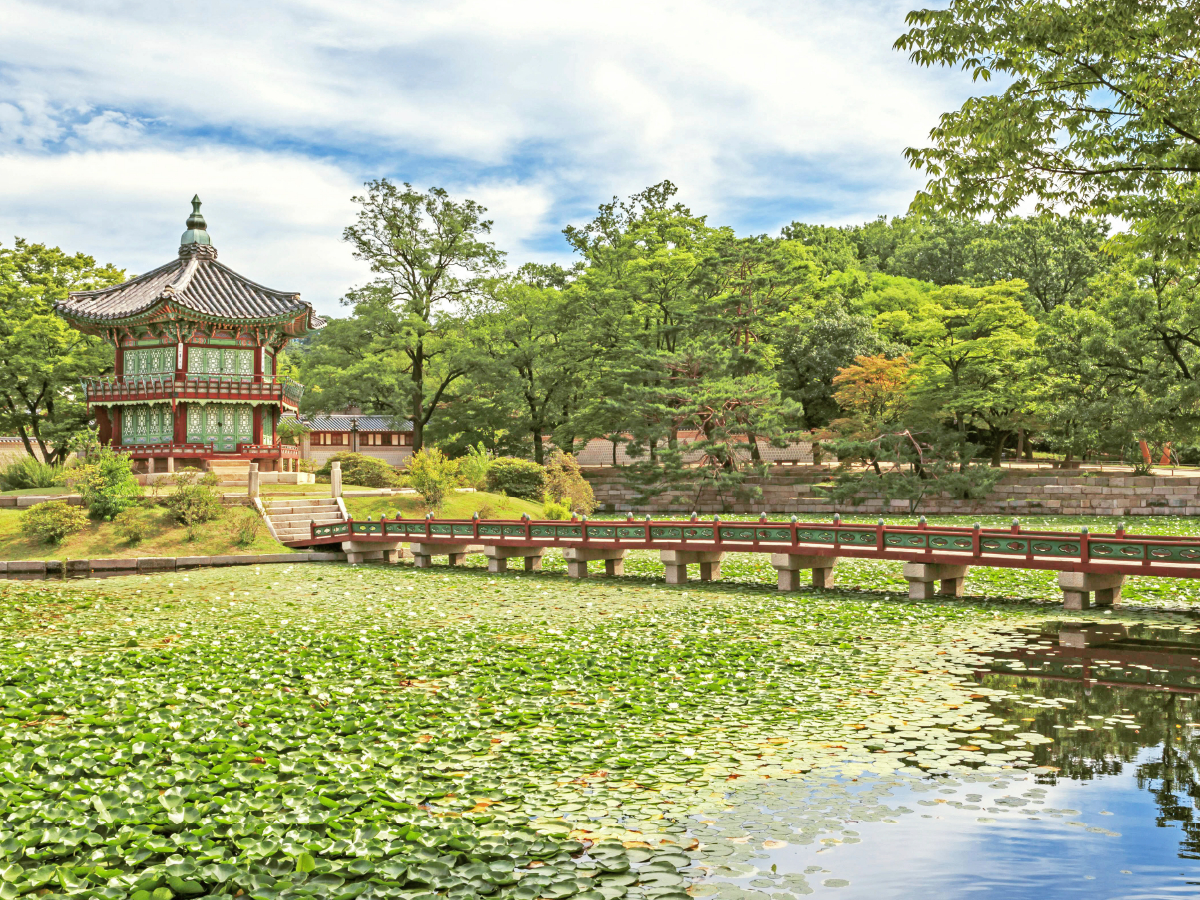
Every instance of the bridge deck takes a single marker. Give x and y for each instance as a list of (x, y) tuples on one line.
[(1013, 548)]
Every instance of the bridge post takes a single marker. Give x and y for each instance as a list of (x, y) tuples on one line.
[(677, 561), (335, 479), (361, 551), (1079, 587), (922, 577), (578, 557), (498, 557), (423, 553), (789, 566)]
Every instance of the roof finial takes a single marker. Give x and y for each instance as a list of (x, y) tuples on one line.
[(196, 233)]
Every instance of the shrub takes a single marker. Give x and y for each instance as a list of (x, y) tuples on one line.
[(486, 510), (130, 525), (106, 483), (431, 475), (195, 499), (247, 526), (29, 472), (552, 510), (565, 483), (51, 522), (473, 468), (357, 468), (517, 478)]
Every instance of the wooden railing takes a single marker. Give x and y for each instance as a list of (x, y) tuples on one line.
[(1117, 553), (283, 391)]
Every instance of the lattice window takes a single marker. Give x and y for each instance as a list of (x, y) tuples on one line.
[(245, 425), (195, 425), (212, 360), (228, 362), (245, 362)]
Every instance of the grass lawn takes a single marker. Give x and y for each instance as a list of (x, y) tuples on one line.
[(457, 506), (163, 538), (306, 488), (384, 732), (55, 491)]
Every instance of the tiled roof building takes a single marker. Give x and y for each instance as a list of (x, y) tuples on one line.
[(196, 345)]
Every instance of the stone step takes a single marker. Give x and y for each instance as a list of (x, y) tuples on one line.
[(302, 501), (285, 521)]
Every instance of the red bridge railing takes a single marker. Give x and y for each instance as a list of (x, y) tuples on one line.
[(1012, 547)]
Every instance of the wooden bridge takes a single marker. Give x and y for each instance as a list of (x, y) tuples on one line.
[(935, 559)]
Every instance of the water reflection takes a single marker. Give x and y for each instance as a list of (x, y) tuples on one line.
[(1101, 725), (1127, 688)]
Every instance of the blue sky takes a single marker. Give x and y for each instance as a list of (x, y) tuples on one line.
[(114, 112)]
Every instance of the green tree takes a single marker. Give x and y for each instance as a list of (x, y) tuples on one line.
[(42, 358), (1055, 256), (399, 353), (972, 349), (1099, 113), (814, 344), (530, 352)]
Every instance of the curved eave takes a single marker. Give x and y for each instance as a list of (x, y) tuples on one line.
[(297, 323)]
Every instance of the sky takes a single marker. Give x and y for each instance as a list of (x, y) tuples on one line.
[(113, 113)]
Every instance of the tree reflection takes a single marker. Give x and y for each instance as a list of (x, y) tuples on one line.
[(1162, 721)]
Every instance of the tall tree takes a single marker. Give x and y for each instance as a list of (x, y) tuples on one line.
[(1100, 112), (42, 358), (1056, 257), (430, 256)]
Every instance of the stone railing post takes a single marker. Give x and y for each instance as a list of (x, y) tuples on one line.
[(335, 480), (252, 481)]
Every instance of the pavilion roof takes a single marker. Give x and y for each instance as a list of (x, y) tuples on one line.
[(194, 282)]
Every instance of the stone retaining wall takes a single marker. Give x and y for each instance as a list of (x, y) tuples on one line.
[(790, 490), (148, 565)]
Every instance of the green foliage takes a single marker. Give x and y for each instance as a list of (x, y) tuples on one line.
[(130, 525), (815, 343), (517, 478), (106, 482), (1096, 113), (432, 475), (907, 466), (473, 467), (403, 348), (42, 358), (555, 511), (51, 522), (30, 472), (290, 431), (565, 484), (196, 498), (247, 525), (360, 469)]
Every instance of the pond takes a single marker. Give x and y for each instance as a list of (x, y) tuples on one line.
[(319, 730)]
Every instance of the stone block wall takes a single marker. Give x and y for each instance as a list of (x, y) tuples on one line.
[(791, 490)]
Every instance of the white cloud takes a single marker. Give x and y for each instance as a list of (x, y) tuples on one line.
[(275, 219), (760, 111)]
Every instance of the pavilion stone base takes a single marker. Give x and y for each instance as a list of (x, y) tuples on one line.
[(455, 553), (498, 557), (926, 580), (578, 557), (789, 566), (373, 551), (676, 563), (1080, 587)]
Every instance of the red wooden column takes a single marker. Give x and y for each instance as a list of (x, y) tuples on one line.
[(119, 362), (258, 422), (104, 425), (180, 423), (259, 352), (116, 426)]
